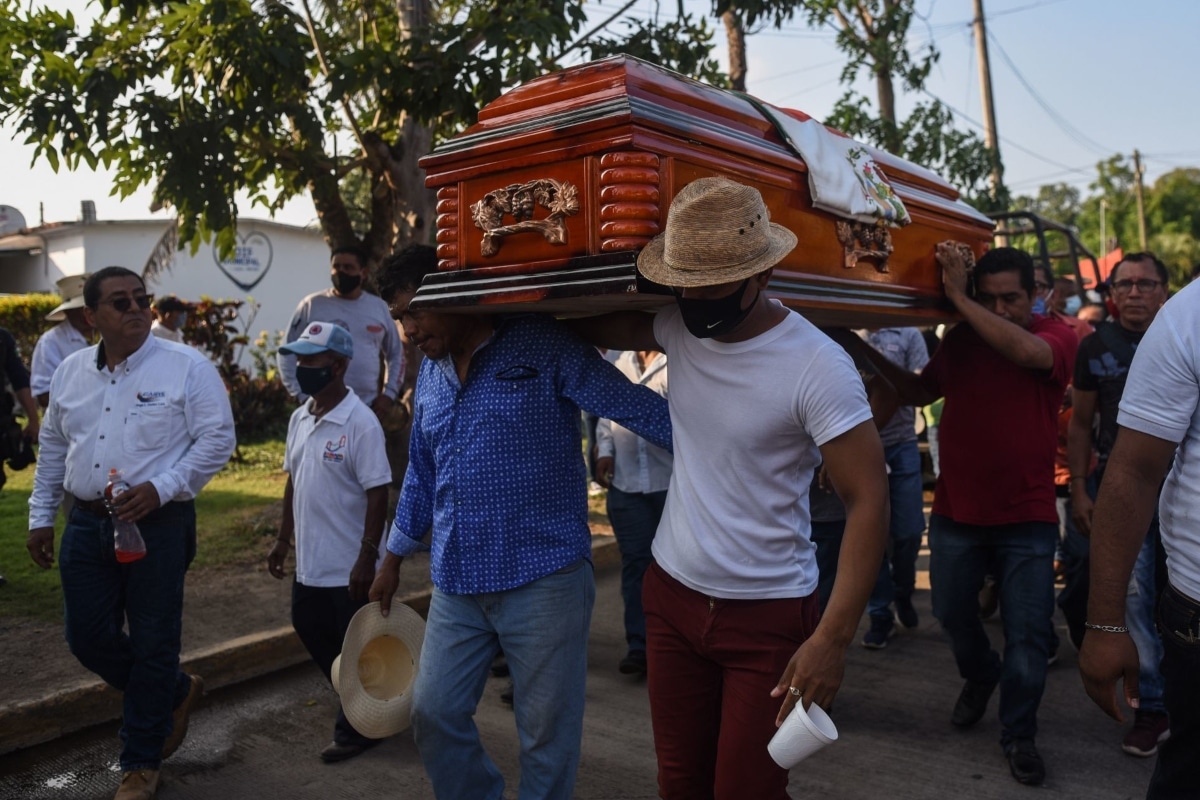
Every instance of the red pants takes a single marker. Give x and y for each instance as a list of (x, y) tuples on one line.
[(712, 666)]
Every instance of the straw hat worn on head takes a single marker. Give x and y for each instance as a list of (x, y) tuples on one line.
[(718, 231), (71, 289), (375, 673)]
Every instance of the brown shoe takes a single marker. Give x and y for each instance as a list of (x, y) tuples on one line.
[(180, 717), (140, 784)]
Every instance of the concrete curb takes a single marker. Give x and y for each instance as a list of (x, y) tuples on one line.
[(68, 710)]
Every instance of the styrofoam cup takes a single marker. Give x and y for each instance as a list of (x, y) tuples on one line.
[(801, 734)]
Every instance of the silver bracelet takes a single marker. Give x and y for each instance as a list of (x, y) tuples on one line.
[(1107, 628)]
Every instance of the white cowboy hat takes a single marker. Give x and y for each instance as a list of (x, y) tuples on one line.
[(71, 289), (718, 231), (377, 695)]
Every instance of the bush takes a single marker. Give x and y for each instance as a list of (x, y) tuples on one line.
[(24, 316), (261, 406)]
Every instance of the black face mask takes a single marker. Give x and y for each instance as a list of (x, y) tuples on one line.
[(708, 318), (313, 379), (345, 284)]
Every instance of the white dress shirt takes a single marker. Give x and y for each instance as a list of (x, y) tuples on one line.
[(52, 347), (163, 332), (638, 466), (161, 416)]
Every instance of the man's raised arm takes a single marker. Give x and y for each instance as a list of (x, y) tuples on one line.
[(621, 330)]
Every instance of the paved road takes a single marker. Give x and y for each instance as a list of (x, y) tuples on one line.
[(259, 741)]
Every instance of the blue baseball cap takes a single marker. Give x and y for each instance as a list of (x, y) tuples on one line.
[(319, 337)]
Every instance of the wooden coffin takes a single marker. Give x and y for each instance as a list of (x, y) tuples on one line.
[(545, 202)]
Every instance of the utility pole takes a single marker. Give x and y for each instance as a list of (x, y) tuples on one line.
[(991, 136), (1139, 193)]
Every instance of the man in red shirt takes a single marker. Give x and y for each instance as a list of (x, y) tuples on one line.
[(1002, 373)]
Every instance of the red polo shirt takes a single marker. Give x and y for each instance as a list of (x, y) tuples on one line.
[(999, 427)]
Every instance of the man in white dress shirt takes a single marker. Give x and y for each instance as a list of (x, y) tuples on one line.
[(170, 315), (73, 332), (159, 412)]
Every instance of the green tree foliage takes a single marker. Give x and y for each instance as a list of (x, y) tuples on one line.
[(203, 99), (873, 34), (1172, 213)]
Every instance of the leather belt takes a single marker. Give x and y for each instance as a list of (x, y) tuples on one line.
[(94, 507)]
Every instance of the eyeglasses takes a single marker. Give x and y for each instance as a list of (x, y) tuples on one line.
[(1041, 287), (123, 304), (1144, 285)]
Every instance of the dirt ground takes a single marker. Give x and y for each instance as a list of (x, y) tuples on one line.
[(220, 603)]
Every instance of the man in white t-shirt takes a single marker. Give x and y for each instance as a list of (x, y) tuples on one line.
[(335, 505), (759, 397), (1158, 430)]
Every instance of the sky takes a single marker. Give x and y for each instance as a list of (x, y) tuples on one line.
[(1074, 82)]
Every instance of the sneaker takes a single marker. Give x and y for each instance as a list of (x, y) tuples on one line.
[(1052, 656), (1149, 728), (334, 752), (906, 615), (140, 784), (180, 716), (633, 664), (972, 703), (989, 598), (882, 629), (500, 666), (1025, 763)]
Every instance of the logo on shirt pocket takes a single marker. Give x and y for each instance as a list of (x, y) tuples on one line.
[(519, 372), (334, 453)]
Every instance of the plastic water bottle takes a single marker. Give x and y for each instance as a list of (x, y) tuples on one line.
[(127, 539)]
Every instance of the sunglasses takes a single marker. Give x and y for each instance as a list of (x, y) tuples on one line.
[(123, 304)]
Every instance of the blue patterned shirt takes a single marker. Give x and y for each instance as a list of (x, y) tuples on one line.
[(496, 465)]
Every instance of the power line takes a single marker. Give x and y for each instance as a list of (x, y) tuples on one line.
[(1079, 136)]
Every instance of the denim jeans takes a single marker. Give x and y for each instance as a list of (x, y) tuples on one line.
[(100, 595), (827, 536), (1021, 557), (1175, 775), (898, 578), (1139, 617), (320, 617), (543, 629), (634, 517)]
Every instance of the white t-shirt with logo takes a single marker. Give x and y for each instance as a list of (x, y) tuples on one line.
[(1162, 399), (333, 460), (747, 420)]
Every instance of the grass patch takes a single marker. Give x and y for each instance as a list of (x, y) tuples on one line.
[(235, 514)]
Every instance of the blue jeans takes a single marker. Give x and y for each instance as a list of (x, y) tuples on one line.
[(1021, 557), (634, 517), (1139, 617), (100, 594), (1175, 774), (827, 536), (898, 578), (543, 629)]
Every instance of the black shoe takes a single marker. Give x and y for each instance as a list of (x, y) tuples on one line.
[(506, 696), (633, 664), (972, 703), (906, 615), (500, 667), (335, 752), (1024, 762), (882, 629)]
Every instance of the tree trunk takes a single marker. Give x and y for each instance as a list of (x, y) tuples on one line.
[(416, 207), (887, 108), (735, 33)]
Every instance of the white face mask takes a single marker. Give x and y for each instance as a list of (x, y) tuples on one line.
[(182, 319), (1073, 304)]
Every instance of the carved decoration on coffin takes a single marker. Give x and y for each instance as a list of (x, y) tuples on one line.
[(862, 240), (519, 200)]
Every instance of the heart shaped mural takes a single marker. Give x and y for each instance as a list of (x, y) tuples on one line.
[(250, 262)]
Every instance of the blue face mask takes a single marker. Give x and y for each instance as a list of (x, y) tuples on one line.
[(1073, 304), (1039, 306)]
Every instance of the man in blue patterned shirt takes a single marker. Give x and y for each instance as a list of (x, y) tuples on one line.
[(496, 472)]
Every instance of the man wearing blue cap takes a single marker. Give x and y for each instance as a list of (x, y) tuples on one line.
[(334, 505)]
